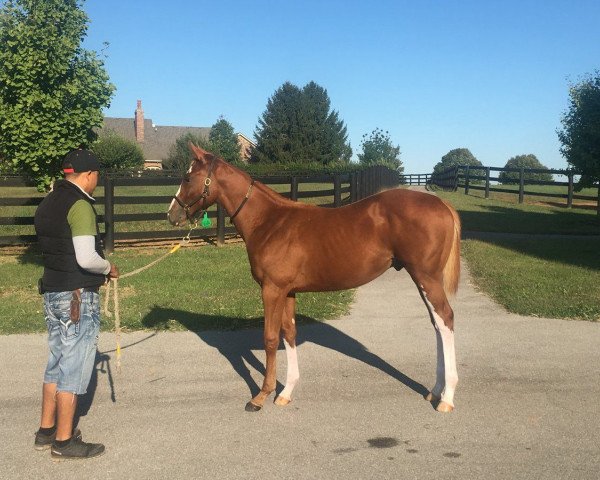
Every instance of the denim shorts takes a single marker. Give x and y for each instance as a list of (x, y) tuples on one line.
[(72, 346)]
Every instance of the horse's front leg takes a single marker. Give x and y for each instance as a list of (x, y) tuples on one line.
[(274, 305)]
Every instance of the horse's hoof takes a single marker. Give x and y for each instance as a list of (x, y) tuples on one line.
[(444, 407), (250, 407), (282, 401), (430, 397)]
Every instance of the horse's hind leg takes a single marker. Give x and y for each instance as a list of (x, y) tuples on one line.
[(442, 317), (274, 304), (289, 340)]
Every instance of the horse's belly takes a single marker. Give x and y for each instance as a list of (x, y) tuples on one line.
[(346, 274)]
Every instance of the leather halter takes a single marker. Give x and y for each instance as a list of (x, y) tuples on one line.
[(243, 201), (205, 193)]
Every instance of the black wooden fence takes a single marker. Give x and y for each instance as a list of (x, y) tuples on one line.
[(480, 178), (415, 178), (345, 188)]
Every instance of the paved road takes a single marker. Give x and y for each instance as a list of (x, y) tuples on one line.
[(527, 401)]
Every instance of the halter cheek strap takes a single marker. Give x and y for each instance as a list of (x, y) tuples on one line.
[(205, 193)]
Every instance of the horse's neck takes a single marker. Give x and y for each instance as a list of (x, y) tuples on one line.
[(234, 185)]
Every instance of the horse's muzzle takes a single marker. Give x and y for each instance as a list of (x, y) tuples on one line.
[(176, 215)]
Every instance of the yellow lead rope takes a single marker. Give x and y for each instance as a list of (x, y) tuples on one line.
[(113, 285)]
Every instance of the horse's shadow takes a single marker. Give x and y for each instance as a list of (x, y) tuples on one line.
[(238, 346)]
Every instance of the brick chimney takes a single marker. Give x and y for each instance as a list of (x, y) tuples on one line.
[(139, 122)]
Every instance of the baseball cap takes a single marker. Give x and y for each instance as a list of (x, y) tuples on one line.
[(79, 161)]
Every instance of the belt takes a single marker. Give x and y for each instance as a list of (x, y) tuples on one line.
[(91, 289)]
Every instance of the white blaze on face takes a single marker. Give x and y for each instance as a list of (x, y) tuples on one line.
[(178, 191), (174, 201)]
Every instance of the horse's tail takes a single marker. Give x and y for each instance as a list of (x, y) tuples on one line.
[(452, 267)]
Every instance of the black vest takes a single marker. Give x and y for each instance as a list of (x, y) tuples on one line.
[(61, 271)]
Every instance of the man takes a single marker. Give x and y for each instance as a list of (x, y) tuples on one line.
[(66, 225)]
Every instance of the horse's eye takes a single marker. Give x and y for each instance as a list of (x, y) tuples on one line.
[(186, 177)]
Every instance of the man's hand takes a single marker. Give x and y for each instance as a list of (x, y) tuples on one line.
[(114, 271)]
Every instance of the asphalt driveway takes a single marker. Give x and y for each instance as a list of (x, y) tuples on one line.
[(527, 403)]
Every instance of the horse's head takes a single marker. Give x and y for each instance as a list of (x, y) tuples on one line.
[(196, 192)]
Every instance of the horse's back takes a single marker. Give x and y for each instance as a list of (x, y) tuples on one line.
[(336, 248)]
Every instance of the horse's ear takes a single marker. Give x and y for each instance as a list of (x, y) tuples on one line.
[(198, 152)]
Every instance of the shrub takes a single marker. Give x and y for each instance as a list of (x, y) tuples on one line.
[(528, 162), (180, 155), (117, 153)]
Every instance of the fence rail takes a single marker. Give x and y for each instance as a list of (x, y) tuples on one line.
[(415, 178), (480, 178), (346, 188)]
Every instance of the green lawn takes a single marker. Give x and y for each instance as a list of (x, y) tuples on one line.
[(497, 215), (196, 288), (552, 277), (211, 288), (556, 278), (539, 195)]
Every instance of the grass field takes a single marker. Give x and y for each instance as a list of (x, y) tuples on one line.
[(544, 198), (506, 215), (541, 276), (554, 278), (211, 288), (196, 288)]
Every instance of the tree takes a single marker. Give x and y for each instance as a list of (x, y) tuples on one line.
[(528, 162), (458, 156), (378, 148), (223, 141), (52, 91), (118, 153), (180, 155), (580, 136), (299, 126)]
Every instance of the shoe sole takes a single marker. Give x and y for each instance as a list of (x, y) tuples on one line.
[(58, 459)]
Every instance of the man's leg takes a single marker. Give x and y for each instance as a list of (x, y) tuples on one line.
[(77, 363), (66, 404), (48, 405)]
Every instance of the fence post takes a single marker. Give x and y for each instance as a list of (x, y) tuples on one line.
[(220, 225), (467, 171), (337, 190), (109, 207), (487, 182), (521, 184), (456, 177), (294, 189), (570, 191)]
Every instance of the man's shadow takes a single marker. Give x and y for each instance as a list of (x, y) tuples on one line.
[(84, 402), (237, 346), (102, 367)]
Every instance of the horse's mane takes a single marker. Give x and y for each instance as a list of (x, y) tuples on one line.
[(273, 196)]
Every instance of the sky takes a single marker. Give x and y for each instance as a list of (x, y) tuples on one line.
[(491, 76)]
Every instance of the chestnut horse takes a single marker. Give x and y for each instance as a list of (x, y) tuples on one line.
[(294, 247)]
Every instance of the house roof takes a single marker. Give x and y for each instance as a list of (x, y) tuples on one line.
[(158, 139)]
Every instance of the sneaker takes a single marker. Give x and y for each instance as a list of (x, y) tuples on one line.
[(76, 449), (43, 442)]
